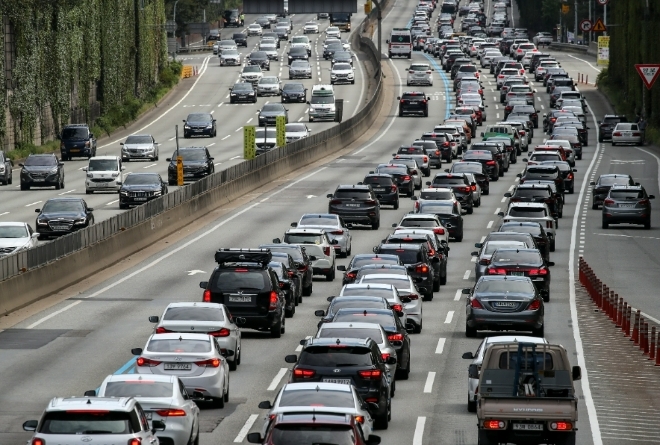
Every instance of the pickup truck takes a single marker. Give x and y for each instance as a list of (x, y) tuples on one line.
[(532, 212), (526, 395)]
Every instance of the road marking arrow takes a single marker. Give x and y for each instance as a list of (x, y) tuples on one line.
[(194, 272)]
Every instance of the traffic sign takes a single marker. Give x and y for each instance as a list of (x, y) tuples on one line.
[(586, 25), (280, 130), (649, 73), (179, 170), (603, 2), (249, 149), (599, 26)]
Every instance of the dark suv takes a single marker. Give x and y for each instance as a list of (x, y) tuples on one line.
[(487, 159), (244, 283), (197, 163), (77, 141), (459, 184), (232, 17), (537, 193), (43, 170), (413, 102), (199, 124), (607, 125), (302, 262), (416, 258), (355, 204), (385, 187), (602, 186), (401, 174), (355, 361), (437, 254)]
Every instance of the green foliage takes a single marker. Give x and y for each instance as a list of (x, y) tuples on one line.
[(23, 149)]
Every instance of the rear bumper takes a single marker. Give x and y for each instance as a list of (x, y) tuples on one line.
[(485, 320)]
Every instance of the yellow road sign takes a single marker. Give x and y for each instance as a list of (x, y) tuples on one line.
[(599, 26), (565, 9), (280, 131), (179, 171), (367, 7), (249, 148)]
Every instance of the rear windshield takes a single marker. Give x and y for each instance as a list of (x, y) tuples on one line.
[(340, 355), (411, 222), (533, 230), (411, 150), (356, 194), (527, 212), (318, 220), (509, 361), (522, 257), (363, 291), (402, 283), (138, 179), (449, 181), (613, 120), (445, 208), (611, 180), (303, 238), (400, 38), (378, 180), (392, 170), (385, 320), (540, 174), (179, 345), (493, 246), (546, 157), (102, 165), (462, 167), (305, 434), (372, 333), (341, 303), (505, 286), (312, 397), (626, 194), (80, 422), (436, 195), (138, 388), (229, 280), (75, 133), (294, 252), (194, 313), (359, 262), (532, 193), (407, 256)]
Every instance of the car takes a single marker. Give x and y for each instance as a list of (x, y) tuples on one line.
[(16, 237), (269, 86), (333, 31), (103, 173), (357, 204), (627, 133), (413, 102), (542, 38), (297, 53), (317, 243), (342, 73), (196, 359), (322, 103), (342, 57), (272, 36), (413, 168), (459, 184), (139, 146), (375, 269), (360, 260), (567, 173), (138, 188), (431, 149), (478, 357), (301, 42), (407, 288), (61, 216), (6, 169), (68, 419), (269, 113), (248, 288), (606, 126), (352, 302), (282, 32), (240, 38), (448, 212), (294, 274), (602, 185), (199, 124), (330, 47), (242, 92), (226, 45), (77, 140), (419, 74), (301, 262), (213, 319), (523, 262), (535, 229), (480, 173), (359, 362), (232, 17), (254, 29), (252, 74), (263, 21), (42, 170), (163, 398), (627, 204), (384, 185), (544, 173), (296, 131), (402, 175), (292, 294), (230, 58), (419, 260), (335, 228), (539, 193), (197, 164), (488, 160), (446, 145), (300, 69), (311, 28), (260, 59), (294, 91), (418, 153), (535, 212), (265, 139), (486, 252)]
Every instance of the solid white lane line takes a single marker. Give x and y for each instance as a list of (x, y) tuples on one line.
[(357, 107), (235, 157), (249, 120), (419, 431), (32, 203), (490, 224), (112, 202), (217, 163), (149, 166), (466, 275), (428, 386), (458, 294), (246, 428), (483, 238), (441, 345), (277, 378), (450, 315)]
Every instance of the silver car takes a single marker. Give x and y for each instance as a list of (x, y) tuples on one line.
[(269, 86), (230, 57), (15, 237), (255, 29), (333, 31), (270, 48), (387, 291), (477, 359), (418, 154), (296, 131), (196, 359), (311, 28), (139, 146), (300, 69), (626, 133), (334, 227), (476, 189), (252, 73), (163, 398), (408, 292), (482, 257), (411, 163), (420, 74), (333, 397), (209, 318)]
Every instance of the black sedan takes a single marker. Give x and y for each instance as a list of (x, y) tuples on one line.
[(459, 184), (259, 58), (523, 262), (61, 216), (139, 188), (268, 114), (199, 124), (350, 302), (242, 92), (197, 163), (477, 169), (533, 228), (290, 294), (602, 186), (294, 92), (360, 260), (42, 170), (297, 53), (448, 213)]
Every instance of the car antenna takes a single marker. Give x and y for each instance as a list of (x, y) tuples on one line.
[(338, 342), (317, 388), (89, 401), (365, 312)]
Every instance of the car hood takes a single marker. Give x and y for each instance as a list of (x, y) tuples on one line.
[(138, 146), (230, 56), (341, 72), (39, 168), (103, 173), (297, 134), (13, 242), (192, 163), (271, 113)]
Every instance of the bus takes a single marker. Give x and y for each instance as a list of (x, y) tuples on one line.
[(341, 21)]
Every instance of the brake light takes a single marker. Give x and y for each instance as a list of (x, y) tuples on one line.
[(273, 301), (37, 441), (422, 268), (351, 275), (335, 202), (397, 307), (643, 202), (171, 413), (474, 188), (393, 188), (497, 271), (476, 304), (326, 251), (385, 356), (549, 224), (537, 272), (522, 132), (534, 306), (290, 273), (406, 178), (224, 332), (561, 426), (161, 330), (141, 361), (445, 144), (303, 268), (359, 419), (636, 134), (370, 374), (617, 133), (304, 373), (490, 162), (212, 363), (437, 152), (207, 296), (570, 176), (133, 441), (494, 424), (402, 101), (426, 159), (484, 261)]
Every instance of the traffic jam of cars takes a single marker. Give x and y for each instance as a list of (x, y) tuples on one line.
[(343, 377)]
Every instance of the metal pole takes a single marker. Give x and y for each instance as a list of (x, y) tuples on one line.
[(589, 41), (605, 18), (575, 26), (379, 15), (177, 1)]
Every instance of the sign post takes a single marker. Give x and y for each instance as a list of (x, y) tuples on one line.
[(249, 150), (603, 50), (280, 131)]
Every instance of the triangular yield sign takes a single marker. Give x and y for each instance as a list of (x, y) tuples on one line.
[(599, 26), (649, 73)]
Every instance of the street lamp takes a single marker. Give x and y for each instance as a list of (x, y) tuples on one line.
[(177, 1)]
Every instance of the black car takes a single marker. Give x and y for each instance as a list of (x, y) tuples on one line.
[(357, 360), (197, 163), (262, 21), (528, 110), (602, 186), (522, 237), (292, 272), (342, 57), (543, 173), (385, 188), (43, 170), (443, 145), (533, 228), (416, 258), (401, 174), (479, 171), (294, 92), (232, 17), (448, 213), (259, 58), (566, 172), (61, 216), (269, 112), (359, 260), (77, 140), (240, 39), (350, 302), (627, 204), (395, 330), (355, 204), (459, 184), (487, 159), (242, 92), (437, 253), (413, 102), (531, 192), (139, 188), (302, 262), (297, 53), (580, 126), (199, 124), (329, 51), (6, 164), (523, 262), (290, 294), (282, 32), (244, 283)]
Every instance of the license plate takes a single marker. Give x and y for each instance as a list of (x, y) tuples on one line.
[(140, 199), (413, 102), (528, 426), (178, 366), (352, 205), (38, 179), (518, 274), (74, 150), (379, 190), (627, 206), (240, 299), (505, 304), (148, 414), (340, 381)]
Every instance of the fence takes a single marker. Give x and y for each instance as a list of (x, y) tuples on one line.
[(630, 320)]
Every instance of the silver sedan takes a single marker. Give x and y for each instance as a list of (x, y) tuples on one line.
[(333, 225), (408, 292), (625, 133), (139, 146)]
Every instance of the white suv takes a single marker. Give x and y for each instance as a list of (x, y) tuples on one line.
[(68, 421), (317, 244), (342, 73), (420, 74), (104, 173)]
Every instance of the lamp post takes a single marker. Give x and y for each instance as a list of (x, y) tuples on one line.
[(177, 1)]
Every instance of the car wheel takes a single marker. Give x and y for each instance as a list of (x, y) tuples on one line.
[(600, 139), (470, 211), (472, 406), (540, 332), (276, 331), (647, 224), (552, 246), (330, 276), (58, 186), (396, 205), (89, 192), (470, 332), (403, 374), (375, 225), (594, 205), (218, 402), (436, 285), (459, 238), (288, 313), (381, 422), (307, 290)]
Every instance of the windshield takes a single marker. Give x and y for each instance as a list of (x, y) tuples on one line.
[(178, 345), (252, 69), (446, 180), (272, 107), (102, 165), (191, 155), (133, 179), (13, 232), (298, 64), (626, 194), (193, 314), (199, 118), (330, 332), (75, 133), (296, 128), (323, 99), (492, 246), (138, 388), (139, 140), (295, 86), (268, 133), (505, 286), (41, 161), (89, 422), (242, 87), (341, 67), (364, 316), (62, 206), (463, 167)]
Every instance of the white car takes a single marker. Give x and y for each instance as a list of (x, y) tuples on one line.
[(488, 57), (199, 317), (295, 131), (302, 41), (139, 146), (387, 291), (162, 397), (626, 133), (311, 28), (317, 243), (269, 86), (342, 73), (442, 238), (333, 31), (104, 173), (255, 29), (408, 292), (16, 236), (230, 57), (334, 226), (252, 73), (420, 74), (265, 139), (196, 359)]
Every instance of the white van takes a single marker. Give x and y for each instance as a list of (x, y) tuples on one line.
[(400, 43), (322, 103), (104, 173)]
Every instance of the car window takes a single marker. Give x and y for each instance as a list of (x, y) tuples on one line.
[(40, 160), (63, 206), (303, 238), (193, 313), (138, 388), (626, 194), (317, 399), (527, 212), (327, 356), (327, 331), (178, 345), (318, 220), (139, 140), (352, 194), (75, 133), (504, 287), (238, 279), (407, 256), (517, 257), (79, 421)]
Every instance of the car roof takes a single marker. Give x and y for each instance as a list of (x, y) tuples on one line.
[(125, 404), (349, 324), (196, 304), (528, 204), (313, 231), (353, 186), (507, 277), (390, 276), (319, 386), (515, 338), (114, 158), (334, 341), (177, 335), (368, 286)]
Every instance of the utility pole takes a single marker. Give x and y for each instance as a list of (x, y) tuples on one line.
[(575, 26), (605, 18), (589, 41), (380, 30)]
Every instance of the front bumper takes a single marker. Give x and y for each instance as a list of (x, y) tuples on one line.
[(76, 151), (102, 186), (128, 154)]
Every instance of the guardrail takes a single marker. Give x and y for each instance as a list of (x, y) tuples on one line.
[(35, 273)]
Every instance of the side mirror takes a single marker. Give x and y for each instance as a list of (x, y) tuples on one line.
[(90, 393), (90, 209), (319, 313), (136, 351), (468, 356), (507, 195), (519, 175), (414, 198), (475, 253), (203, 284), (592, 183), (307, 102), (342, 268), (387, 41), (575, 169), (183, 120), (551, 263), (265, 404), (91, 135), (154, 319), (277, 241), (293, 358), (329, 195), (227, 353), (447, 170), (577, 373), (294, 224), (428, 182), (30, 425), (84, 169), (37, 210), (651, 196), (637, 183), (478, 245), (168, 159), (334, 242), (254, 438), (500, 214), (466, 291)]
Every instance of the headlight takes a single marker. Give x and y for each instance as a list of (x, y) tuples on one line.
[(251, 94), (311, 110), (209, 126), (124, 148), (80, 221), (123, 192), (90, 175), (186, 126), (2, 168), (41, 222), (333, 76), (233, 94), (53, 171), (114, 175), (158, 193)]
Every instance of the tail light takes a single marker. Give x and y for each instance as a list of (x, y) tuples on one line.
[(303, 268), (162, 330), (522, 132), (437, 152), (636, 134), (402, 101), (370, 202), (207, 296), (273, 301), (426, 159), (608, 202), (304, 373), (534, 306), (428, 72), (484, 261), (549, 224), (422, 268), (474, 188), (397, 307), (385, 355), (370, 374), (133, 441), (497, 271), (445, 144), (476, 304), (490, 163), (405, 178), (37, 441), (561, 426), (494, 424), (335, 202), (464, 189), (538, 272), (224, 332), (326, 251), (337, 232), (141, 361), (411, 72), (616, 133), (171, 413), (393, 188), (569, 176), (290, 273), (351, 275), (211, 363), (359, 419), (644, 202)]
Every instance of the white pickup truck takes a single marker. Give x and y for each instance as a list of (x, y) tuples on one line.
[(533, 212)]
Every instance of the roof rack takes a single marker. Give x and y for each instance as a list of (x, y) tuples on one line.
[(261, 256)]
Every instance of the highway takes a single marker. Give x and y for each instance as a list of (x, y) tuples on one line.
[(69, 342)]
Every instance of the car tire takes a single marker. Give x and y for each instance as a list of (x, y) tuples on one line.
[(232, 364), (375, 226), (470, 332), (470, 211), (396, 205), (404, 374), (58, 186), (540, 332), (276, 331), (428, 296), (552, 246), (307, 290), (647, 224), (458, 239), (485, 191), (89, 192), (218, 402), (289, 313), (381, 422), (471, 406)]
